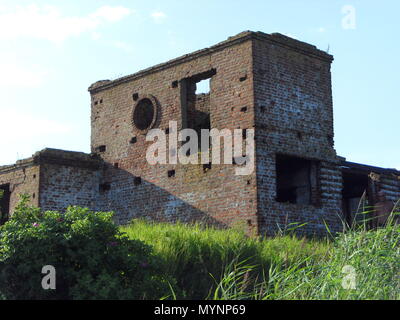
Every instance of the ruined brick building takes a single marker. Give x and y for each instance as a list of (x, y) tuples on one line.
[(279, 86)]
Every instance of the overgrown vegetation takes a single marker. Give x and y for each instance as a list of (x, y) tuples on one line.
[(198, 257), (92, 258), (95, 259), (225, 264)]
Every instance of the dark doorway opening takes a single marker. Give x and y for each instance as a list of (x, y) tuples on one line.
[(297, 180), (355, 195)]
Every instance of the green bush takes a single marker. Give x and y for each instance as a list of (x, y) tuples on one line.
[(92, 258)]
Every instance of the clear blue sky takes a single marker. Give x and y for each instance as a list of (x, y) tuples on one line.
[(51, 51)]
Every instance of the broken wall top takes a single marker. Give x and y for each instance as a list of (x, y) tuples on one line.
[(273, 39), (363, 168), (56, 156)]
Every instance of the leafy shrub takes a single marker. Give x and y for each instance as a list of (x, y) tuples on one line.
[(92, 258)]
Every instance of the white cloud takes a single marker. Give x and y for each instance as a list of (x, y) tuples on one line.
[(321, 29), (95, 35), (21, 124), (172, 38), (18, 74), (158, 16), (48, 22), (123, 46), (111, 14), (25, 133)]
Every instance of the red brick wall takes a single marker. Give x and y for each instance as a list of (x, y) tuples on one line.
[(216, 195), (293, 107), (63, 185), (277, 85), (23, 179)]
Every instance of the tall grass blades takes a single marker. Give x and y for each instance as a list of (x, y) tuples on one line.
[(226, 264)]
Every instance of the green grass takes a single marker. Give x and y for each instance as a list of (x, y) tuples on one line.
[(226, 264), (199, 257)]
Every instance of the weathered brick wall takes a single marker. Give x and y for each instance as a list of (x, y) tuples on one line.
[(68, 178), (216, 195), (277, 85), (23, 178), (390, 186), (62, 186), (198, 112), (55, 179), (293, 107)]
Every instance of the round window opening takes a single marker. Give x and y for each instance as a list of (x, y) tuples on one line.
[(143, 114)]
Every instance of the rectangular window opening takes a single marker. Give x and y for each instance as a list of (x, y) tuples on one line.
[(206, 167), (203, 86), (101, 148), (133, 140), (137, 181), (171, 173), (104, 187), (297, 180), (195, 98), (4, 203)]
